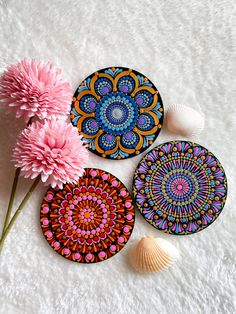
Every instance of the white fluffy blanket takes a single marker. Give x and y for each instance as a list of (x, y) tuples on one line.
[(186, 48)]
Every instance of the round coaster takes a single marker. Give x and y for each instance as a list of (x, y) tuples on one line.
[(118, 111), (89, 221), (180, 187)]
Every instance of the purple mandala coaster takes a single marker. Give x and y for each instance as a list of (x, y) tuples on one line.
[(180, 187), (118, 111)]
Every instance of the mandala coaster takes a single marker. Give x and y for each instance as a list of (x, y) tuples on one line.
[(89, 221), (118, 111), (180, 187)]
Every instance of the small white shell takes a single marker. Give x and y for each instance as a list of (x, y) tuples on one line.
[(184, 121), (152, 255)]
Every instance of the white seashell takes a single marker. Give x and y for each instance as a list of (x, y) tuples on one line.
[(152, 255), (184, 121)]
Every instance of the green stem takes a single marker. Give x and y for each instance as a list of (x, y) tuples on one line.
[(18, 211), (13, 192)]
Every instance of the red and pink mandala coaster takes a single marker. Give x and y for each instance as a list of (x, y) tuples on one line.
[(89, 221)]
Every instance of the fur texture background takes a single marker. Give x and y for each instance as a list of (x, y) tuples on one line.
[(187, 49)]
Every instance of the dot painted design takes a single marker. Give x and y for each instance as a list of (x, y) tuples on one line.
[(89, 221), (180, 187), (118, 111)]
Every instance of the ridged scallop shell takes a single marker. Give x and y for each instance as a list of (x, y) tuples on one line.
[(184, 121), (152, 255)]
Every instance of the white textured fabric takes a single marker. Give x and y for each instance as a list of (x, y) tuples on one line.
[(186, 49)]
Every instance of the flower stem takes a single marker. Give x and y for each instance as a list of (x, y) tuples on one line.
[(13, 192), (18, 211)]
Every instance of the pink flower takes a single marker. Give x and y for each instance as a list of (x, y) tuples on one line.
[(35, 88), (52, 149)]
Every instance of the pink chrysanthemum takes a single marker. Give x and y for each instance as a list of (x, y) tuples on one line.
[(35, 88), (53, 150)]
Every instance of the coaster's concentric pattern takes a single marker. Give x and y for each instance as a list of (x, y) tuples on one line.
[(89, 221), (118, 111), (180, 187)]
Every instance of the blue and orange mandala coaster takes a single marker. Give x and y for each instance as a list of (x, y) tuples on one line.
[(180, 187), (89, 221), (118, 111)]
